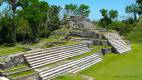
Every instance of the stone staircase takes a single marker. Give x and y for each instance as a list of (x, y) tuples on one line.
[(117, 42), (43, 57), (70, 67), (40, 59)]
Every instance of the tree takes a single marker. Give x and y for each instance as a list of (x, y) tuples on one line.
[(71, 9), (5, 29), (103, 12), (83, 10), (34, 19), (134, 9), (139, 2), (13, 4), (23, 29), (54, 20), (113, 14), (105, 20), (74, 10), (37, 15), (136, 34), (107, 17)]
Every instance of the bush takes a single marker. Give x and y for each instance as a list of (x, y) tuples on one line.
[(136, 34), (121, 27), (9, 44)]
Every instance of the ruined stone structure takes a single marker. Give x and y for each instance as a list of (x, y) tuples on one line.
[(41, 61), (78, 22)]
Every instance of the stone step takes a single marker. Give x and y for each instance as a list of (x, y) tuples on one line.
[(70, 63), (116, 41), (69, 67), (48, 57), (56, 51), (79, 67), (55, 60), (85, 66), (34, 52)]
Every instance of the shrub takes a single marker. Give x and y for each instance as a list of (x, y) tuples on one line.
[(136, 34), (9, 44), (121, 27)]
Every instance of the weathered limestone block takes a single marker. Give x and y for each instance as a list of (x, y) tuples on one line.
[(104, 42), (85, 34), (2, 65), (12, 60), (96, 42), (9, 64), (106, 51), (89, 43), (17, 59)]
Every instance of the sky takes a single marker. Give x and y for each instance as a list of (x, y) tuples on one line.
[(96, 5)]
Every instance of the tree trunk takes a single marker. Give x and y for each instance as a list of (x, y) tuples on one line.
[(135, 16), (14, 29)]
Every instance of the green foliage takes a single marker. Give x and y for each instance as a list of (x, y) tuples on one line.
[(74, 10), (113, 14), (103, 12), (104, 22), (139, 2), (134, 9), (107, 17), (83, 10), (35, 19), (5, 30), (121, 27), (71, 9), (136, 34)]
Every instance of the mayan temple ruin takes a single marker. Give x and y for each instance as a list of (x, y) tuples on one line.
[(49, 63), (70, 39)]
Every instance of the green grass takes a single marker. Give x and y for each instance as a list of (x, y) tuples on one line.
[(14, 68), (116, 67), (9, 50), (21, 74), (70, 77)]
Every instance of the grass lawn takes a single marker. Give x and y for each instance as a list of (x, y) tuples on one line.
[(21, 74), (9, 50), (115, 67)]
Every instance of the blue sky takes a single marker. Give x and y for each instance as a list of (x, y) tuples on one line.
[(96, 5)]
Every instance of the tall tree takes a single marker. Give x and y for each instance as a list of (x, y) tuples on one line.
[(133, 9), (103, 12), (54, 20), (113, 14), (23, 29), (37, 15), (107, 17), (13, 4), (71, 9), (139, 2), (83, 10)]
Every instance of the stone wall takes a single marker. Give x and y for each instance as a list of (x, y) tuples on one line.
[(106, 51), (12, 60), (98, 42), (83, 34)]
